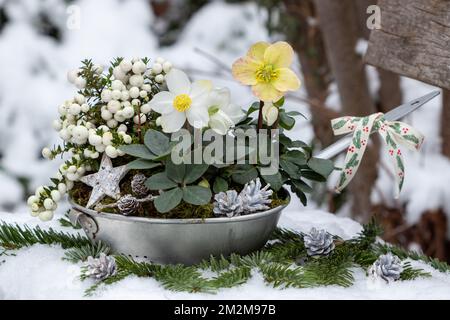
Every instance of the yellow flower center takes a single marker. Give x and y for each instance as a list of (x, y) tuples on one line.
[(182, 102), (266, 73)]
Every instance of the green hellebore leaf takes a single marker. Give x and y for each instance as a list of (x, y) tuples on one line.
[(194, 172), (312, 175), (157, 142), (168, 200), (322, 166), (138, 151), (160, 181), (244, 174), (286, 122), (295, 156), (220, 185), (175, 172), (275, 181), (301, 185), (291, 169), (142, 164), (197, 195)]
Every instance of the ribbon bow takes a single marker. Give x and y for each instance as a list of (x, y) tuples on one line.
[(394, 133)]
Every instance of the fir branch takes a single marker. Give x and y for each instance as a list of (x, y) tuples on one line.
[(410, 273), (90, 250), (14, 237)]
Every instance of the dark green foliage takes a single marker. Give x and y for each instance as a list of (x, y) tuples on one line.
[(90, 250), (15, 236)]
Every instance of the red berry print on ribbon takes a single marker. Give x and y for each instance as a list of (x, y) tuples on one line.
[(349, 171), (366, 129), (351, 149), (391, 152), (399, 153), (363, 142), (405, 130)]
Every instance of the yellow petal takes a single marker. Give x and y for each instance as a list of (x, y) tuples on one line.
[(256, 51), (287, 80), (266, 92), (280, 55), (244, 70)]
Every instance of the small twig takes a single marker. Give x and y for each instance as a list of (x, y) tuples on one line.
[(100, 207), (213, 59)]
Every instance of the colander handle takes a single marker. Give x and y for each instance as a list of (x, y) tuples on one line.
[(87, 223)]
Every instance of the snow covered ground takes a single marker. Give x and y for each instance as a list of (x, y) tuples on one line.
[(38, 272)]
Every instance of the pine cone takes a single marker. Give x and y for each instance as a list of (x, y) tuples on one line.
[(387, 267), (318, 243), (227, 203), (138, 185), (128, 205), (102, 267), (254, 198)]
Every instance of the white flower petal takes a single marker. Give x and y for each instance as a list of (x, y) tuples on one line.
[(172, 122), (220, 97), (197, 115), (178, 82), (200, 87), (162, 102), (220, 122), (234, 112)]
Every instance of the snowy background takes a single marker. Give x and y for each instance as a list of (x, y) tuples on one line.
[(39, 44)]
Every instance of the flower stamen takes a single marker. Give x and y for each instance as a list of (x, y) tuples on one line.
[(267, 73), (182, 102)]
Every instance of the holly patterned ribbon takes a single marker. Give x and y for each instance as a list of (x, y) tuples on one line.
[(394, 133)]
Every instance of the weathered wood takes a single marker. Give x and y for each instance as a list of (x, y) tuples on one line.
[(414, 40)]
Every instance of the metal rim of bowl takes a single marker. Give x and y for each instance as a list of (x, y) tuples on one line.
[(111, 216)]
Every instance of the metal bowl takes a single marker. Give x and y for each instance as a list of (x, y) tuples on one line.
[(186, 241)]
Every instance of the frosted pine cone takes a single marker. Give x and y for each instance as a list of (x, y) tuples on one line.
[(102, 267), (227, 203), (318, 243), (254, 198), (138, 185), (387, 267), (128, 205)]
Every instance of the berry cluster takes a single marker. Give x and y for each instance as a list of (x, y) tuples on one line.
[(104, 114)]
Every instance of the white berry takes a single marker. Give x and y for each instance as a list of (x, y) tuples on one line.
[(46, 153), (80, 82), (167, 66), (74, 109), (122, 128), (159, 78), (139, 67), (125, 65), (143, 118), (49, 204), (106, 95), (111, 152), (157, 68), (56, 195), (145, 108), (46, 215), (134, 92)]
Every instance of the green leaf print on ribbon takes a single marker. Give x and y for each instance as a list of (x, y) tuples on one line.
[(394, 133)]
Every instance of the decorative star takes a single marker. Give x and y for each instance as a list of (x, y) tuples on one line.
[(105, 182)]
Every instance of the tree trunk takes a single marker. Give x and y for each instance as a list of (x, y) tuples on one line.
[(306, 39), (338, 23), (445, 121)]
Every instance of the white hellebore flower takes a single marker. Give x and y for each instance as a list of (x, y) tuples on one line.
[(222, 114), (184, 100), (270, 113)]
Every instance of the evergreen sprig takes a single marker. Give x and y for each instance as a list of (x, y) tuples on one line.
[(277, 261)]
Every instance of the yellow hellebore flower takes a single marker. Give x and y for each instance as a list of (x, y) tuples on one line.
[(266, 69)]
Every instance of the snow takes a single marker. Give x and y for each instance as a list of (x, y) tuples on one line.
[(38, 272), (36, 84)]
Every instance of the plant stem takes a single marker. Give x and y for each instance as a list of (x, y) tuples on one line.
[(260, 115)]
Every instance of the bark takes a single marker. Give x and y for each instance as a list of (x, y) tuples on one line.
[(307, 41), (413, 40), (445, 124), (338, 21)]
